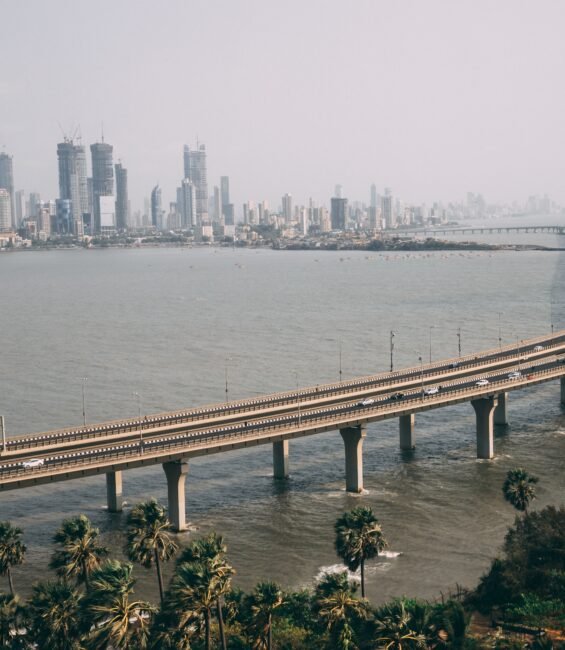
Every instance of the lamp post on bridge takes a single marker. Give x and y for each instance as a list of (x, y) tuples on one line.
[(431, 328), (422, 374), (226, 366), (459, 341), (84, 380), (499, 331), (138, 396), (297, 398), (391, 350), (3, 430)]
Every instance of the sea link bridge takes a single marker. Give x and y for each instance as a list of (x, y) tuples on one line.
[(484, 379)]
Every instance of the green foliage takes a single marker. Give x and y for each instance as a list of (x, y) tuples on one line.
[(55, 613), (13, 624), (358, 538), (518, 488), (12, 549), (79, 553), (532, 610)]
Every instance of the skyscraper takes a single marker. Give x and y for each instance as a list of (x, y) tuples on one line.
[(186, 203), (19, 207), (72, 177), (195, 170), (5, 210), (338, 213), (287, 208), (386, 209), (121, 197), (225, 190), (373, 196), (102, 177), (7, 183), (156, 209)]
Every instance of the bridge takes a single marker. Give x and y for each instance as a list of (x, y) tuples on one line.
[(472, 230), (484, 379)]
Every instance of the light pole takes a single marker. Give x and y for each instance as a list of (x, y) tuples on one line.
[(340, 360), (431, 328), (227, 399), (499, 331), (84, 380), (422, 375), (298, 398), (459, 341), (138, 396), (391, 350), (3, 429)]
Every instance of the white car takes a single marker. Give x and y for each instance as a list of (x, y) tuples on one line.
[(482, 382), (514, 375), (538, 348), (432, 390), (33, 462), (368, 401)]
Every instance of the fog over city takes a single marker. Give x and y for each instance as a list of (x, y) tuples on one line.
[(433, 99)]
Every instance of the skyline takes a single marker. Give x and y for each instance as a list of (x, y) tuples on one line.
[(432, 101)]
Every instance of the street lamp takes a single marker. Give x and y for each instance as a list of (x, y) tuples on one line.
[(84, 380), (226, 365), (3, 429), (431, 328), (391, 350), (422, 375), (138, 396), (340, 360), (459, 341), (298, 398), (499, 331)]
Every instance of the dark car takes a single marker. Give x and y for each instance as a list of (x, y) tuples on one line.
[(396, 396)]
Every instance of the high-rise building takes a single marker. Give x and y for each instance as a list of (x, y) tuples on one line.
[(287, 208), (225, 190), (217, 205), (102, 177), (5, 211), (64, 218), (374, 196), (338, 213), (186, 204), (107, 205), (33, 205), (72, 177), (195, 170), (121, 197), (7, 183), (156, 208), (20, 195), (386, 210), (338, 191)]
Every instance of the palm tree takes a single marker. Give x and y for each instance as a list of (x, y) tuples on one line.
[(148, 540), (80, 553), (55, 609), (12, 550), (337, 610), (192, 596), (212, 550), (518, 488), (358, 538), (266, 598), (13, 624), (113, 620), (395, 628)]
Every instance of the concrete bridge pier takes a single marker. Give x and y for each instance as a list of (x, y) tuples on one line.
[(280, 459), (484, 411), (353, 441), (501, 410), (407, 437), (114, 491), (563, 391), (176, 472)]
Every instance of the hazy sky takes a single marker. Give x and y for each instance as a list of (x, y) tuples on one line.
[(432, 98)]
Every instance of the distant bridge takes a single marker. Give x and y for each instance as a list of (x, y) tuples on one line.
[(475, 230), (484, 379)]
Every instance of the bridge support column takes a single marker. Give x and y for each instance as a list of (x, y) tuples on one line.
[(176, 476), (353, 441), (484, 410), (114, 491), (563, 391), (407, 437), (280, 459), (501, 412)]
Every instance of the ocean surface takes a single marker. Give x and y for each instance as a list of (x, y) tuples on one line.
[(171, 324)]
